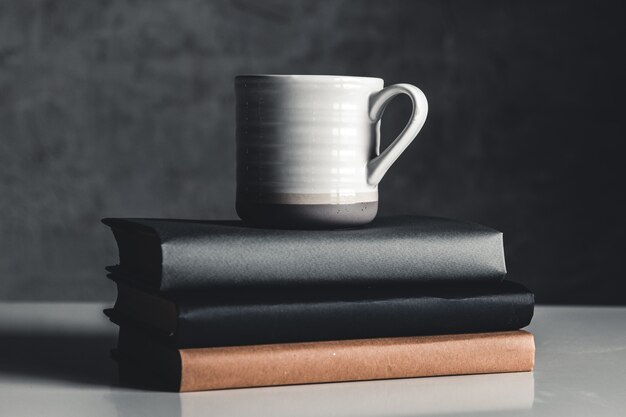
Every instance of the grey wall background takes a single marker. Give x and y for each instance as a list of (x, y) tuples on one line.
[(118, 108)]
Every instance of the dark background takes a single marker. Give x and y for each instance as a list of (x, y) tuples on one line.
[(118, 108)]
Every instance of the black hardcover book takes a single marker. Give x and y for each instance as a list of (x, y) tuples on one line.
[(236, 317), (188, 255)]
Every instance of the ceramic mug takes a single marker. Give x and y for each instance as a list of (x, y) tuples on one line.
[(308, 147)]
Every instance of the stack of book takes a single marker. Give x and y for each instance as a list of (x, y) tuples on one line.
[(212, 305)]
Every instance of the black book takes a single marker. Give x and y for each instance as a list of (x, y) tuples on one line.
[(170, 255), (236, 317)]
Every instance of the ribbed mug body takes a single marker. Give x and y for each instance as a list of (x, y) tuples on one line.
[(303, 145)]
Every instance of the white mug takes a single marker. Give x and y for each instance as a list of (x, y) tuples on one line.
[(308, 147)]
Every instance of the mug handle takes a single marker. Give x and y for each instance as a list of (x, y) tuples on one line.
[(378, 166)]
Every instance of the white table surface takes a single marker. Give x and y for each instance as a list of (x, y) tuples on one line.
[(54, 361)]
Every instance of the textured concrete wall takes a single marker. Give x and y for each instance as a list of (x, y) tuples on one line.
[(117, 108)]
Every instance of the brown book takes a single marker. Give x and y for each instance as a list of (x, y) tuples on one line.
[(201, 369)]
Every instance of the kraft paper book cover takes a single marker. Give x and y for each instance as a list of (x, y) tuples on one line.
[(200, 369)]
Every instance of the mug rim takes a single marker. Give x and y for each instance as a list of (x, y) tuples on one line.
[(307, 77)]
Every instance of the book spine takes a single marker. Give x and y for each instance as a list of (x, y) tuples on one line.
[(355, 360), (476, 259), (177, 255), (261, 323)]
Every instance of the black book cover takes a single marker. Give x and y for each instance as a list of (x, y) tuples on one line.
[(172, 255), (225, 318)]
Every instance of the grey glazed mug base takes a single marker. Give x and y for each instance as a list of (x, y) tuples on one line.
[(307, 216)]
